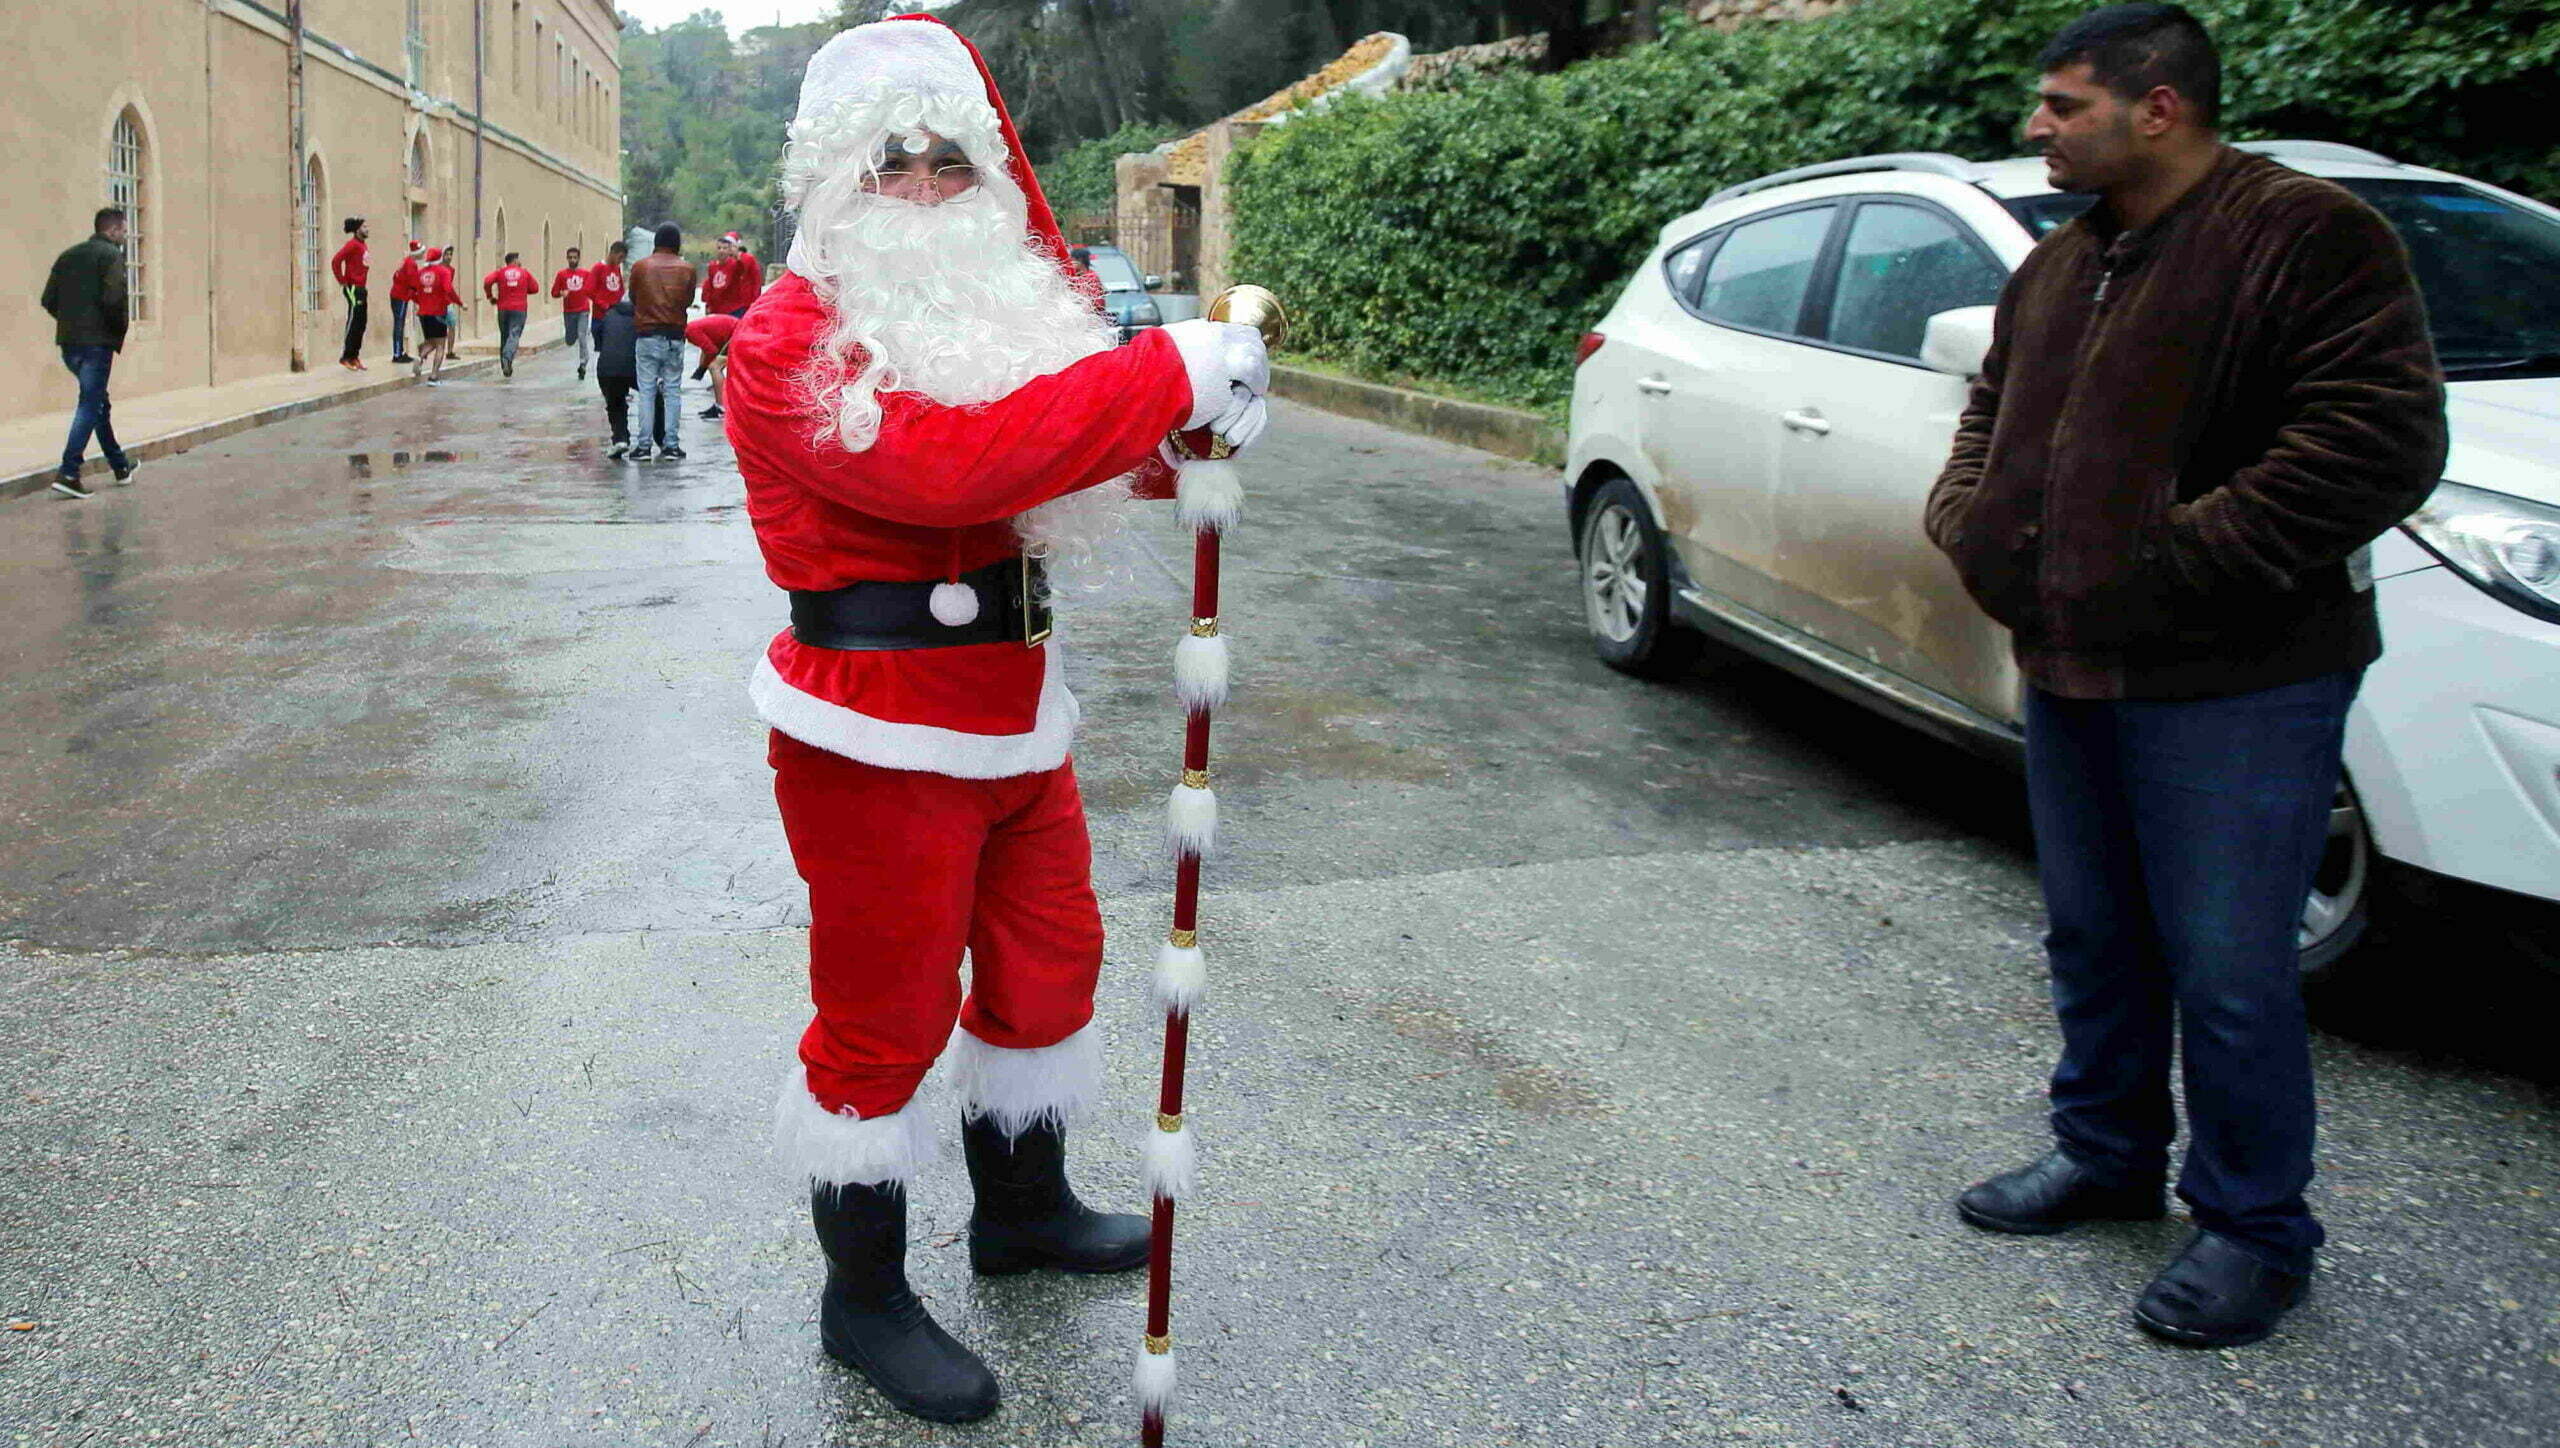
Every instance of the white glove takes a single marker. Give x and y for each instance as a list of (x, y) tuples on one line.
[(1242, 422), (1219, 356)]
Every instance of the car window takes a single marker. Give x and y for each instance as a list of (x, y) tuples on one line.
[(1901, 266), (1758, 277), (1117, 274), (1684, 267)]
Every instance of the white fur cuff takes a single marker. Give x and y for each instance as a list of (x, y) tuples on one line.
[(1171, 1165), (1155, 1379), (837, 1149), (1020, 1088), (1200, 671), (1191, 821), (1208, 495), (1203, 348), (1182, 977)]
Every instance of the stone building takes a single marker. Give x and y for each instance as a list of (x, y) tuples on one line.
[(239, 133)]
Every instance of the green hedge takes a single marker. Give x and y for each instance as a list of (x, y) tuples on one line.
[(1470, 236), (1081, 180)]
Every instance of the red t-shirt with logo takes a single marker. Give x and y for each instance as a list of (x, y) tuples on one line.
[(349, 266), (605, 285), (732, 284), (436, 295), (570, 286), (510, 285)]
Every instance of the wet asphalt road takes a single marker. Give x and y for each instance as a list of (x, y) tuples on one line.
[(402, 955)]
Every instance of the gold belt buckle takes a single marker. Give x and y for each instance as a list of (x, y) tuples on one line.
[(1038, 621)]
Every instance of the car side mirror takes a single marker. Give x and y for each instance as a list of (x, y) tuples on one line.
[(1957, 342), (1153, 281)]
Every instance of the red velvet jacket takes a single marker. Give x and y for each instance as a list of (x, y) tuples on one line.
[(934, 496)]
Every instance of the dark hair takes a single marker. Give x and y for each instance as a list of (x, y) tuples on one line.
[(670, 237), (105, 215), (2131, 49), (573, 251), (511, 257), (352, 223), (621, 246)]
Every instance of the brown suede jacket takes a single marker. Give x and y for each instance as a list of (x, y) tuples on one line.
[(2184, 437), (662, 286)]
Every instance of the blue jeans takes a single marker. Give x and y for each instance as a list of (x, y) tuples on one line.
[(510, 331), (399, 329), (2176, 842), (574, 334), (93, 413), (661, 362)]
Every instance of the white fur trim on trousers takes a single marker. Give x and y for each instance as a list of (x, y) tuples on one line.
[(1155, 1378), (840, 1149), (1020, 1088)]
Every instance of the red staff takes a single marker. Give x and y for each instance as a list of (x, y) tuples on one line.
[(1208, 501)]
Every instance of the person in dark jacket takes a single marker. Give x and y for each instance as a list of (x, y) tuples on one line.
[(2203, 400), (617, 371), (86, 295)]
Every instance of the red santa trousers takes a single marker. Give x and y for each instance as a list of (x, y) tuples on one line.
[(906, 869)]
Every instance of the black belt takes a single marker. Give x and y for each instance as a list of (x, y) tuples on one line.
[(1013, 607)]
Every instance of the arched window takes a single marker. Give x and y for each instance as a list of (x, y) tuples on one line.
[(127, 154), (418, 161), (315, 251)]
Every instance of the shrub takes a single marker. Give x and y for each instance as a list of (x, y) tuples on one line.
[(1080, 180), (1470, 236)]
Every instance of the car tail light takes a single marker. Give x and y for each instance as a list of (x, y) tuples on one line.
[(1590, 343)]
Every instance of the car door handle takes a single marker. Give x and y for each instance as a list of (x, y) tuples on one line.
[(1806, 420), (1658, 386)]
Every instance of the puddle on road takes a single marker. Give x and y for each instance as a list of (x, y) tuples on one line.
[(363, 464)]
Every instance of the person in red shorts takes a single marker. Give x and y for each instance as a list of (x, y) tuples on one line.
[(928, 411), (509, 287), (436, 303), (350, 268), (569, 286), (710, 337)]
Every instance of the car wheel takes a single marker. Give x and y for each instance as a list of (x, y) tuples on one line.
[(1626, 585), (2340, 906)]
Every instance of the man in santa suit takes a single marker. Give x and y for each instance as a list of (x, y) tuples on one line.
[(925, 406)]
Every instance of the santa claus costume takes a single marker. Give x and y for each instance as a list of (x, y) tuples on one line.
[(925, 407)]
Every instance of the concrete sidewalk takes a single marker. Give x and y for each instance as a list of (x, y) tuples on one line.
[(163, 423)]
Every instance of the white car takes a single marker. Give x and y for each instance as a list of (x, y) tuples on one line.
[(1758, 419)]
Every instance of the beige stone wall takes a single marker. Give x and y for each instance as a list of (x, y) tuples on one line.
[(1726, 14), (224, 272)]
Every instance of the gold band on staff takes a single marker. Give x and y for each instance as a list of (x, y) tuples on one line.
[(1159, 1345), (1183, 939), (1195, 779), (1205, 628), (1168, 1121)]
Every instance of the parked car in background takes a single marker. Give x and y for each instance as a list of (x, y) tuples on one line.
[(1758, 419), (1124, 290)]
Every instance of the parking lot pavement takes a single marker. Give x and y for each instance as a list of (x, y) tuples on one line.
[(404, 960)]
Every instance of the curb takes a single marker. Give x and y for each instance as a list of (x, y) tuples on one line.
[(169, 444), (1507, 431)]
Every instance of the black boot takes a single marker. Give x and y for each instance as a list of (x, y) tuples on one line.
[(2217, 1295), (1027, 1215), (2054, 1194), (872, 1323)]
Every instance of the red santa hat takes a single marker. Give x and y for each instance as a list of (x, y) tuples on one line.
[(435, 253), (908, 71)]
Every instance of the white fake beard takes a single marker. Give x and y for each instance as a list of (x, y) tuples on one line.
[(955, 302)]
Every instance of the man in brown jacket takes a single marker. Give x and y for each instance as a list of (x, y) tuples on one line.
[(2203, 399), (662, 286)]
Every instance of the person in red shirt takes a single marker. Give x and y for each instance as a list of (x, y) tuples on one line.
[(350, 267), (569, 284), (607, 282), (436, 301), (734, 281), (710, 336), (509, 286), (404, 295)]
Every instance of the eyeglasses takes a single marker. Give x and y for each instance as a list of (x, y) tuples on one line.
[(904, 176)]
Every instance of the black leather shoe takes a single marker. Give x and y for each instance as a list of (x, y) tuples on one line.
[(870, 1321), (2214, 1294), (1027, 1216), (2054, 1194)]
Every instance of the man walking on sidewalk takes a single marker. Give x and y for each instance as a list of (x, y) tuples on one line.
[(2203, 400), (436, 301), (508, 287), (662, 285), (351, 267), (404, 295), (569, 285), (85, 292)]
